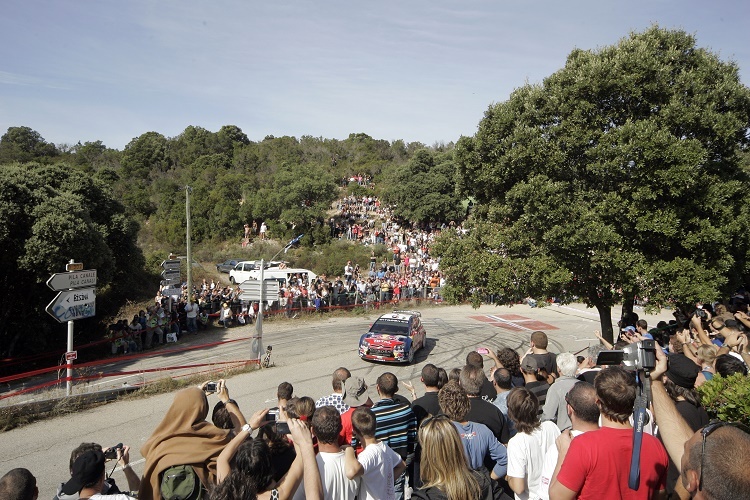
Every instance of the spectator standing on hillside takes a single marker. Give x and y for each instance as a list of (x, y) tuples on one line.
[(482, 411), (263, 230)]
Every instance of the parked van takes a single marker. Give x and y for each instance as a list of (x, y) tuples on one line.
[(285, 275), (242, 270)]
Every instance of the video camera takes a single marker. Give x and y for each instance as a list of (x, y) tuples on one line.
[(638, 356)]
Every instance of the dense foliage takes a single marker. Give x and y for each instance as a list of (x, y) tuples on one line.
[(618, 176), (727, 398), (48, 216)]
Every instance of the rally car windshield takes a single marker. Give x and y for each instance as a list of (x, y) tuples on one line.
[(390, 327)]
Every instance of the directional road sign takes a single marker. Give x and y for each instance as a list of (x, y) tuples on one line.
[(171, 274), (77, 279), (170, 281), (171, 264), (73, 304), (174, 291), (251, 290)]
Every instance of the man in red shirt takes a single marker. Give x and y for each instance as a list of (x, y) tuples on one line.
[(596, 464)]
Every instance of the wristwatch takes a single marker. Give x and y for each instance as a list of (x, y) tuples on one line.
[(247, 428)]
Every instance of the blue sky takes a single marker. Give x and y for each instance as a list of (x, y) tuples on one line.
[(424, 71)]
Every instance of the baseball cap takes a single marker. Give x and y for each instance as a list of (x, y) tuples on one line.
[(87, 469), (529, 364), (682, 370), (629, 328), (354, 391)]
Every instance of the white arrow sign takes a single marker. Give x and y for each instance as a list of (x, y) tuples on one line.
[(73, 304), (171, 264), (77, 279), (251, 290)]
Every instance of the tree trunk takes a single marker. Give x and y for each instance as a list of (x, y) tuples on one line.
[(605, 320), (628, 301)]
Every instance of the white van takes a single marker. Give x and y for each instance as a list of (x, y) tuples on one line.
[(242, 270), (283, 276)]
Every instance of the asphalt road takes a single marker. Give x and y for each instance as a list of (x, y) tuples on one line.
[(305, 353)]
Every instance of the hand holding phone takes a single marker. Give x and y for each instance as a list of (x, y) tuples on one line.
[(483, 350)]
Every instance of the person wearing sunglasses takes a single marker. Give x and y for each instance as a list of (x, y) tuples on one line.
[(711, 459)]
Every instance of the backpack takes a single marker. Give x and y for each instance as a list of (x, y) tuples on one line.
[(180, 482)]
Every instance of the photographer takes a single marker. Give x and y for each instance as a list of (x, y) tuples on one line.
[(119, 453), (230, 410), (705, 468), (597, 464)]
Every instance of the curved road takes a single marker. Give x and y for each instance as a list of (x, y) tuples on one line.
[(305, 352)]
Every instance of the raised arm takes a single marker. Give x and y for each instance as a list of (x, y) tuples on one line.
[(672, 427), (352, 467)]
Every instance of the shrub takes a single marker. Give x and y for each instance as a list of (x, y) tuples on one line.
[(727, 398)]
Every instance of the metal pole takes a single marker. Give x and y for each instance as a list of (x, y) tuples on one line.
[(69, 385), (259, 320), (189, 249)]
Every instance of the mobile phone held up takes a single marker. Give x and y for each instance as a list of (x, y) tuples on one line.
[(482, 350)]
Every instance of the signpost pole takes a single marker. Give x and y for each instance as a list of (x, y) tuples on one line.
[(259, 321), (69, 385), (188, 189)]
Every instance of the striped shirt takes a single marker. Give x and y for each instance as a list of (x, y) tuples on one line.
[(396, 425)]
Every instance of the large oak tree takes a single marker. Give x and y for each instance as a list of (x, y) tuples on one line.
[(618, 176)]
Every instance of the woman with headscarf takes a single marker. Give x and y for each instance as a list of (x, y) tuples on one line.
[(183, 438)]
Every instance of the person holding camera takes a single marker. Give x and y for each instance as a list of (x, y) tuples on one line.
[(109, 487), (597, 464)]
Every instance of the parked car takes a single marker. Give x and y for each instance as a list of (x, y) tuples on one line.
[(227, 265), (394, 337)]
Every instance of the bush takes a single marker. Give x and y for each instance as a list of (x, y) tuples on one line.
[(727, 398)]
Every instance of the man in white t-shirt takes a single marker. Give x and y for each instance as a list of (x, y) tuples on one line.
[(377, 464), (527, 449), (326, 426), (191, 313), (584, 416)]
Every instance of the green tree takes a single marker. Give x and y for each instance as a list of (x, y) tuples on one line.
[(22, 144), (49, 215), (423, 190), (618, 176)]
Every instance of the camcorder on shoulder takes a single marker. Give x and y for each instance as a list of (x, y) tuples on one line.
[(640, 355)]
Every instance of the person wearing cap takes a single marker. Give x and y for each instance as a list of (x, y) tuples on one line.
[(536, 382), (109, 487), (88, 477), (679, 382), (355, 393)]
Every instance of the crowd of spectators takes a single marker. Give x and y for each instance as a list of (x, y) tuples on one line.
[(536, 425)]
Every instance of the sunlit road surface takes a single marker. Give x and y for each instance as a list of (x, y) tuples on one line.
[(305, 352)]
